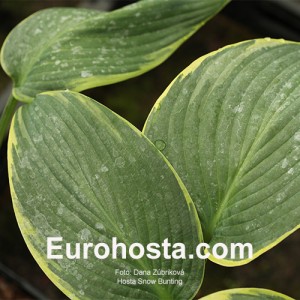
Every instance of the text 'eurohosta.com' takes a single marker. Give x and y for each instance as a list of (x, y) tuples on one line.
[(58, 249)]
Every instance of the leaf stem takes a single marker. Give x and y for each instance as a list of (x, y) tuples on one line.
[(6, 117)]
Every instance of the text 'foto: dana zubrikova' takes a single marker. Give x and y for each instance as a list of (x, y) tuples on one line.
[(80, 172), (221, 147)]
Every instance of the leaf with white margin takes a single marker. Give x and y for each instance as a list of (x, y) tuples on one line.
[(77, 49), (80, 172), (230, 126), (247, 294)]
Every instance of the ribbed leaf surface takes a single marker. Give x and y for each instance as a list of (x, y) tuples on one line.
[(76, 49), (80, 172), (230, 126)]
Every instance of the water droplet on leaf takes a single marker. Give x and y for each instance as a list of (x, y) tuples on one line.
[(104, 169), (160, 145)]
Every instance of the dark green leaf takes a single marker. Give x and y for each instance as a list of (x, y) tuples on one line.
[(80, 172), (77, 49), (230, 126)]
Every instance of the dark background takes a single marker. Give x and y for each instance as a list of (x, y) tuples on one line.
[(278, 269)]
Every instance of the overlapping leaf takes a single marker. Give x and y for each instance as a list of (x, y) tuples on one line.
[(80, 172), (247, 294), (78, 49), (230, 126)]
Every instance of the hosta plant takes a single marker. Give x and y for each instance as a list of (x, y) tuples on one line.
[(217, 161)]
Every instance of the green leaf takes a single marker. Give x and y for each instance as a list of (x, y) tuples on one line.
[(247, 294), (77, 49), (80, 172), (229, 124)]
